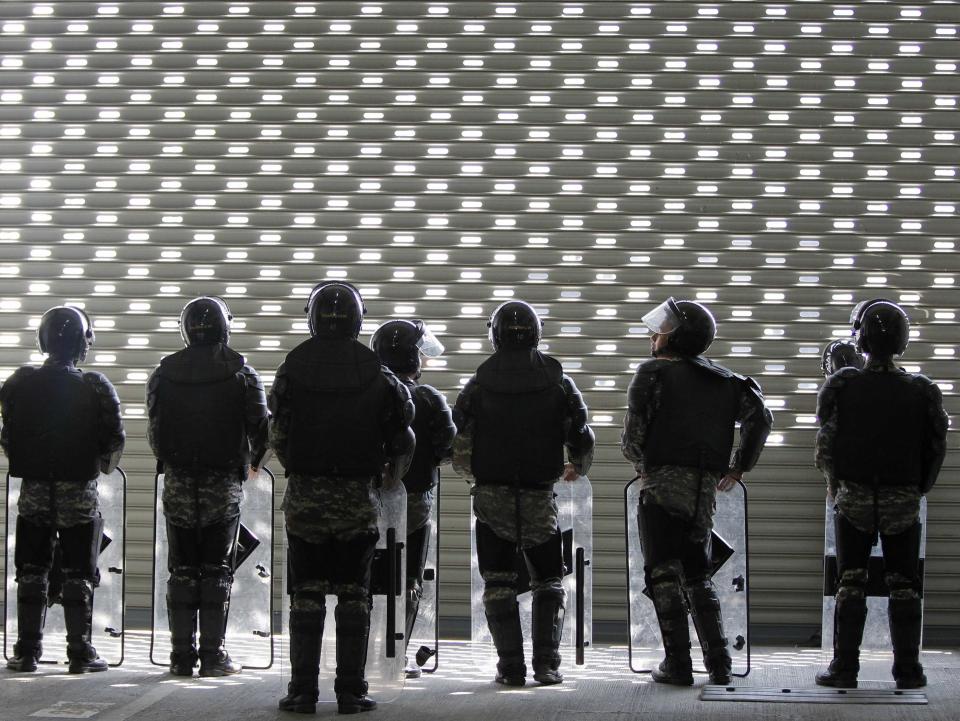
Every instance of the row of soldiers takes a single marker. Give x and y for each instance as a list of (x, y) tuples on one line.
[(345, 420)]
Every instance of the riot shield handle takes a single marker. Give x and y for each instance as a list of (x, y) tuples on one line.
[(581, 565), (391, 586)]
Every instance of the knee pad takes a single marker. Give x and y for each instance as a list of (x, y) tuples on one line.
[(901, 588), (549, 589), (77, 592), (853, 585), (499, 587)]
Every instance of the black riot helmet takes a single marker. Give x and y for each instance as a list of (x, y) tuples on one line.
[(514, 324), (881, 327), (840, 354), (689, 326), (335, 309), (65, 333), (399, 343), (205, 321)]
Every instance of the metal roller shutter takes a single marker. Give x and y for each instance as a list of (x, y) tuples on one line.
[(776, 160)]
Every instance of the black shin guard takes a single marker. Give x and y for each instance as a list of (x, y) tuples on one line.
[(78, 618), (849, 617), (353, 630), (214, 606), (668, 602), (905, 616), (183, 603), (503, 619), (306, 636), (31, 614), (547, 631), (707, 619)]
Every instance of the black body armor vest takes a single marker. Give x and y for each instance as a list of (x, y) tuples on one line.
[(201, 415), (694, 424), (520, 412), (880, 434), (53, 431), (337, 395)]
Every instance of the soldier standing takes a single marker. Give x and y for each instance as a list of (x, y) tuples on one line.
[(61, 428), (881, 443), (400, 344), (207, 418), (678, 433), (514, 417), (340, 427)]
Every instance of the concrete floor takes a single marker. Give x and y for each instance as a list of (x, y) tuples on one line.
[(462, 689)]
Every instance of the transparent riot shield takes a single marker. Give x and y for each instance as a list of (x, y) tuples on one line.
[(876, 650), (108, 598), (249, 638), (385, 647), (730, 576), (423, 646), (575, 505)]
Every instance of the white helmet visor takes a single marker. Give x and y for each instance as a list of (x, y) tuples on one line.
[(663, 319)]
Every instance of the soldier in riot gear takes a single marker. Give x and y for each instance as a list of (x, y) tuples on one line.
[(514, 417), (207, 419), (400, 344), (340, 427), (61, 428), (679, 434), (840, 354), (881, 443)]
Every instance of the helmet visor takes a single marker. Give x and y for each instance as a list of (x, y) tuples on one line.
[(428, 343), (663, 319)]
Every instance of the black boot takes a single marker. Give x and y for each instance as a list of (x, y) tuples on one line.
[(848, 620), (31, 613), (547, 630), (183, 601), (306, 635), (503, 619), (353, 629), (676, 668), (414, 594), (214, 606), (78, 618), (905, 616), (707, 619)]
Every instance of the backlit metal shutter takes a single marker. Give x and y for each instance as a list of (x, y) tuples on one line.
[(778, 161)]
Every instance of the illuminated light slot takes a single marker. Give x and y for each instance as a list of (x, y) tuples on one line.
[(104, 289), (741, 350), (774, 332), (471, 311), (436, 293), (404, 310), (569, 258), (232, 290), (139, 307), (945, 315), (706, 295), (943, 280), (72, 271), (269, 343), (104, 359), (471, 346), (637, 295), (806, 420), (137, 342), (38, 288), (10, 304), (672, 278), (775, 439), (606, 312), (945, 387), (9, 339), (169, 325), (501, 293), (570, 330), (271, 308), (606, 348)]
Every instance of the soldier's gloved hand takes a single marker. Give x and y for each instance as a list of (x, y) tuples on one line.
[(570, 473), (253, 473), (729, 480)]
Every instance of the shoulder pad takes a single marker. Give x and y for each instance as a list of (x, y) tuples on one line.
[(95, 378), (429, 394), (653, 365), (712, 367)]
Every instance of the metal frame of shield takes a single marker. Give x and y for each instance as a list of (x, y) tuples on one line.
[(108, 598), (424, 641), (575, 518), (876, 631), (249, 633), (731, 574), (385, 657)]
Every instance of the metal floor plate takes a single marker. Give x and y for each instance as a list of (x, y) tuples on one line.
[(813, 695)]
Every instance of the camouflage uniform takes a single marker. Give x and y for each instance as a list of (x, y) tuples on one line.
[(890, 511), (513, 500), (201, 505), (65, 509), (332, 527), (682, 491), (677, 503)]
